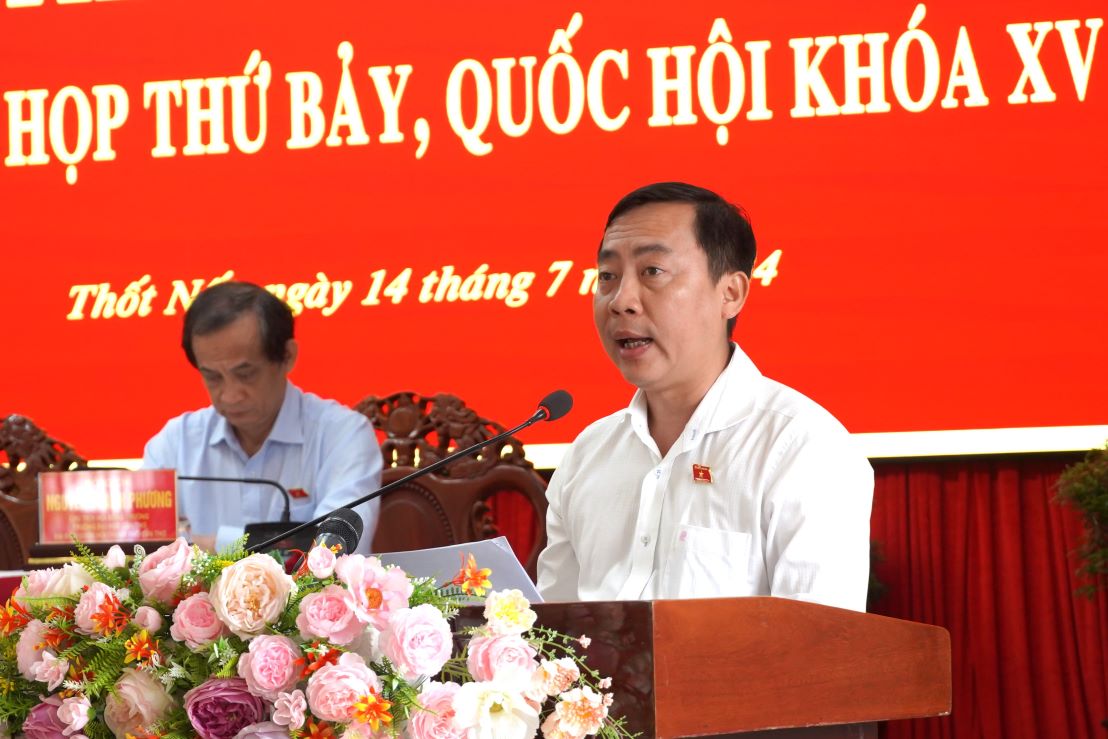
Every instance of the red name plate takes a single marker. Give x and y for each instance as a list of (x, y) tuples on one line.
[(107, 506)]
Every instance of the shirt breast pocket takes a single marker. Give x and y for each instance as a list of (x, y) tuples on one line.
[(707, 563)]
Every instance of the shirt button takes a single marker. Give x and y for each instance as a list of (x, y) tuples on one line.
[(645, 540), (658, 472)]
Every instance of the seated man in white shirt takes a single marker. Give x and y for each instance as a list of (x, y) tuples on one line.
[(715, 481), (240, 338)]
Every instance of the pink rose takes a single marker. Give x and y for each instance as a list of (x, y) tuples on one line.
[(492, 657), (329, 614), (251, 594), (436, 721), (97, 594), (160, 573), (74, 713), (417, 641), (137, 702), (115, 558), (42, 722), (34, 582), (333, 690), (149, 619), (53, 582), (263, 730), (195, 622), (29, 648), (377, 591), (289, 708), (51, 670), (269, 666), (321, 562)]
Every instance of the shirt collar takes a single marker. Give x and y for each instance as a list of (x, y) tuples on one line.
[(730, 399), (287, 429)]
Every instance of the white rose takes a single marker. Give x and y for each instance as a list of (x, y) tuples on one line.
[(251, 594)]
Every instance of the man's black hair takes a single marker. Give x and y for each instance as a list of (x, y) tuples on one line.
[(221, 304), (722, 229)]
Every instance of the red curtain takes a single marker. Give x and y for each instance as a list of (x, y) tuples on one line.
[(979, 548)]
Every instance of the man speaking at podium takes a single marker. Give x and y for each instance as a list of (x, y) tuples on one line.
[(716, 481), (260, 425)]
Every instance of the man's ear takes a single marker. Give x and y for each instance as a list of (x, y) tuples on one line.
[(292, 350), (735, 286)]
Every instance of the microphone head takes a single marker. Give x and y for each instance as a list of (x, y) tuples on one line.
[(344, 525), (556, 405)]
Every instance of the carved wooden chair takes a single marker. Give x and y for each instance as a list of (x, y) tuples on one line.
[(477, 497), (25, 451)]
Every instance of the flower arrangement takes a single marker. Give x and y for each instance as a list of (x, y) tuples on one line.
[(180, 643)]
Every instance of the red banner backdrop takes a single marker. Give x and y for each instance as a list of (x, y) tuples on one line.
[(927, 183)]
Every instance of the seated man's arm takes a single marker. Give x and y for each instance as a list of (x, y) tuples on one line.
[(559, 570), (816, 515), (350, 468), (162, 452)]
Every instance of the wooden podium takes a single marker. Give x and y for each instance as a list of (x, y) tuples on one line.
[(757, 667)]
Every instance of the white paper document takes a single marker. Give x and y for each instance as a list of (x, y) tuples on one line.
[(443, 563)]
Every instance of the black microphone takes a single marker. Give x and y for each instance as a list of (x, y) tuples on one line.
[(551, 408), (249, 481), (343, 527), (555, 405)]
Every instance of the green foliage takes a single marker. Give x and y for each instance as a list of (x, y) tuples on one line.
[(616, 729), (223, 656), (73, 651), (207, 567), (447, 598), (455, 670), (41, 606), (404, 697), (94, 565), (1084, 486), (14, 707), (97, 729), (106, 666), (236, 550), (174, 726)]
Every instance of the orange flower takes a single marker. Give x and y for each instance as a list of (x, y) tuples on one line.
[(315, 657), (109, 619), (372, 709), (141, 648), (13, 617), (56, 639), (472, 578), (78, 670), (60, 616), (318, 730)]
